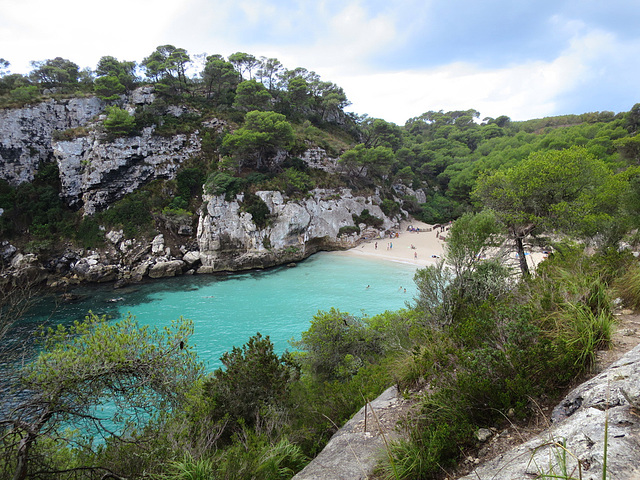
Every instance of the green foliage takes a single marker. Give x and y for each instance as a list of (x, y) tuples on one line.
[(70, 133), (440, 209), (132, 214), (368, 219), (108, 88), (348, 230), (337, 345), (142, 373), (36, 208), (221, 183), (390, 207), (252, 95), (254, 379), (119, 123), (258, 209), (371, 163), (24, 94), (88, 233), (628, 287), (469, 239), (262, 135), (59, 74)]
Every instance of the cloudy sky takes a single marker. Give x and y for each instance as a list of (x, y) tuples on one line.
[(395, 59)]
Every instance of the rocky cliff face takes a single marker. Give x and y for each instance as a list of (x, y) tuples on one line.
[(26, 133), (95, 173), (229, 239)]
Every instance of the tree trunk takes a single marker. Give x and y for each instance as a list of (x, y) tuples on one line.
[(524, 268), (23, 457)]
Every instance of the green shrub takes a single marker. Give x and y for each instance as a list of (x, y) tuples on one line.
[(69, 134), (88, 233), (258, 209), (390, 207), (628, 287), (132, 213), (221, 183), (119, 123), (337, 345), (253, 378), (348, 230), (368, 219)]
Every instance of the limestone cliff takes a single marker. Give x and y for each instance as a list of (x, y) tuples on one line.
[(95, 173), (26, 133), (96, 170), (229, 239)]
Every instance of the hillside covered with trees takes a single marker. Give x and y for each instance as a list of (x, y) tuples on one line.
[(477, 344)]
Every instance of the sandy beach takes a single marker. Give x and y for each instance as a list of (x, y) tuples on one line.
[(420, 248), (423, 247)]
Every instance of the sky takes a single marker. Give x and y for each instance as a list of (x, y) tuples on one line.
[(395, 59)]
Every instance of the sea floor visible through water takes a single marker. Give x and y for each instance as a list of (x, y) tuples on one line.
[(228, 309)]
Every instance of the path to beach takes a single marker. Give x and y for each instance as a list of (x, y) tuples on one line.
[(428, 247)]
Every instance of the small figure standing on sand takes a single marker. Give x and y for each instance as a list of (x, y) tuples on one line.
[(376, 245), (415, 255), (390, 245)]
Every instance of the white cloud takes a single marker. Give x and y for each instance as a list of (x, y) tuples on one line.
[(81, 31), (523, 91)]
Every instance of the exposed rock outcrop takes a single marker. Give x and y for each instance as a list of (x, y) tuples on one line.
[(26, 133), (230, 240), (95, 173), (351, 452), (609, 402)]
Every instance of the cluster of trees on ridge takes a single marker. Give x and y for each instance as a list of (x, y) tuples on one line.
[(270, 108), (484, 340)]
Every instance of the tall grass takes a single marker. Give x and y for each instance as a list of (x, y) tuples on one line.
[(628, 287)]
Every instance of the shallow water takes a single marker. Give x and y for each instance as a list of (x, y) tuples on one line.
[(228, 309)]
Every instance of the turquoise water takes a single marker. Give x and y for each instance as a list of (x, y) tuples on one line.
[(228, 309)]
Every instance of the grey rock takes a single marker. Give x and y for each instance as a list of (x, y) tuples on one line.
[(483, 434), (228, 238), (191, 258), (26, 133), (115, 237), (352, 453), (157, 245), (611, 398), (166, 269)]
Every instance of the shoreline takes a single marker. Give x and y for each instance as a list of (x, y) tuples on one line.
[(424, 248), (421, 248)]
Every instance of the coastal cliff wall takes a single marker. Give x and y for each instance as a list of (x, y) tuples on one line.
[(26, 134), (95, 174), (229, 239), (96, 170)]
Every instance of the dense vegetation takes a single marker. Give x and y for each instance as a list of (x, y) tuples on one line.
[(269, 109), (480, 341)]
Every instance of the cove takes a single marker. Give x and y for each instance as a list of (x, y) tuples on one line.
[(228, 309)]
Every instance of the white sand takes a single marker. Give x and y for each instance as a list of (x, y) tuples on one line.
[(428, 246)]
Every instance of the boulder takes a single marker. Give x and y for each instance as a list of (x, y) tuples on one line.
[(191, 259), (170, 268)]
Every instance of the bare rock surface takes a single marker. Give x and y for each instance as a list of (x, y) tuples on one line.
[(352, 453), (606, 403)]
